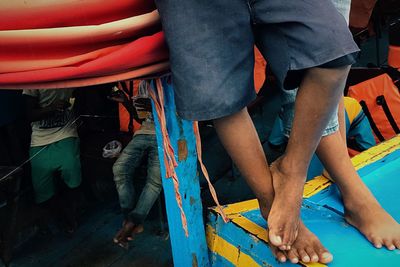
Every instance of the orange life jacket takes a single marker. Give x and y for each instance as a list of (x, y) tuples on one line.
[(380, 99), (126, 122), (259, 69)]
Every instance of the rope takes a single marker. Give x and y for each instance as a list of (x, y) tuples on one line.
[(205, 172), (169, 155)]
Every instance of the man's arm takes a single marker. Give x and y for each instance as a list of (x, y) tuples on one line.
[(120, 97)]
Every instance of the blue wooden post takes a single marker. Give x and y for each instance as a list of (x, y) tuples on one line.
[(191, 250)]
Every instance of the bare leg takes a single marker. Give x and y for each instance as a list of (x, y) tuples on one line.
[(318, 96), (240, 139), (342, 121), (300, 247), (361, 208)]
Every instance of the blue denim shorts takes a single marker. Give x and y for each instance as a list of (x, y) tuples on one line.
[(212, 42)]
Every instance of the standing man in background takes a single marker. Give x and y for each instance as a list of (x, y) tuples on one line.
[(54, 149)]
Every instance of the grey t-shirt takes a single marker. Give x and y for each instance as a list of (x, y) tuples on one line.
[(59, 125)]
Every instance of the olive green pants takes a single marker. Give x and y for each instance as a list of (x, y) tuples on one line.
[(61, 156)]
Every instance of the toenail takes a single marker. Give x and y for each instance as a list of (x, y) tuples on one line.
[(326, 255), (295, 260), (378, 245), (282, 259), (392, 247), (306, 259), (277, 239)]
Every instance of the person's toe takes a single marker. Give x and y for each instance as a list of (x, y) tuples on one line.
[(275, 238), (312, 254), (389, 244), (324, 256), (117, 236), (303, 255), (376, 241), (293, 256), (289, 237), (279, 255), (397, 243)]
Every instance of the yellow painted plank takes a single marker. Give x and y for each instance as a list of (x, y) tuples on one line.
[(363, 159), (239, 207), (225, 249), (262, 234), (315, 185), (376, 153), (250, 227)]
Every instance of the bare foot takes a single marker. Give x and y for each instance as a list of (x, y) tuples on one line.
[(373, 222), (126, 233), (284, 216), (306, 248)]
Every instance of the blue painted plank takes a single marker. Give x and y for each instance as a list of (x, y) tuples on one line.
[(349, 247), (381, 177), (191, 250), (258, 250), (380, 163)]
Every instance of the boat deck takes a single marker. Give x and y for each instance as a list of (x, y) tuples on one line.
[(92, 245), (244, 242)]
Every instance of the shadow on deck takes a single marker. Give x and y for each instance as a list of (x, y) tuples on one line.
[(91, 245)]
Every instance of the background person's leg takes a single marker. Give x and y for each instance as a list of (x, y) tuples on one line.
[(153, 185), (124, 169), (67, 153), (42, 171)]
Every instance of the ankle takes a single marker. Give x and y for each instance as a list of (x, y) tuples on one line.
[(290, 166), (355, 204)]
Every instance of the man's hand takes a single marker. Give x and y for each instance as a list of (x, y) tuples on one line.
[(119, 96), (143, 104), (125, 234)]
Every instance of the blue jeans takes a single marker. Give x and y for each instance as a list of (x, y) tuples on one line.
[(288, 97), (124, 169)]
